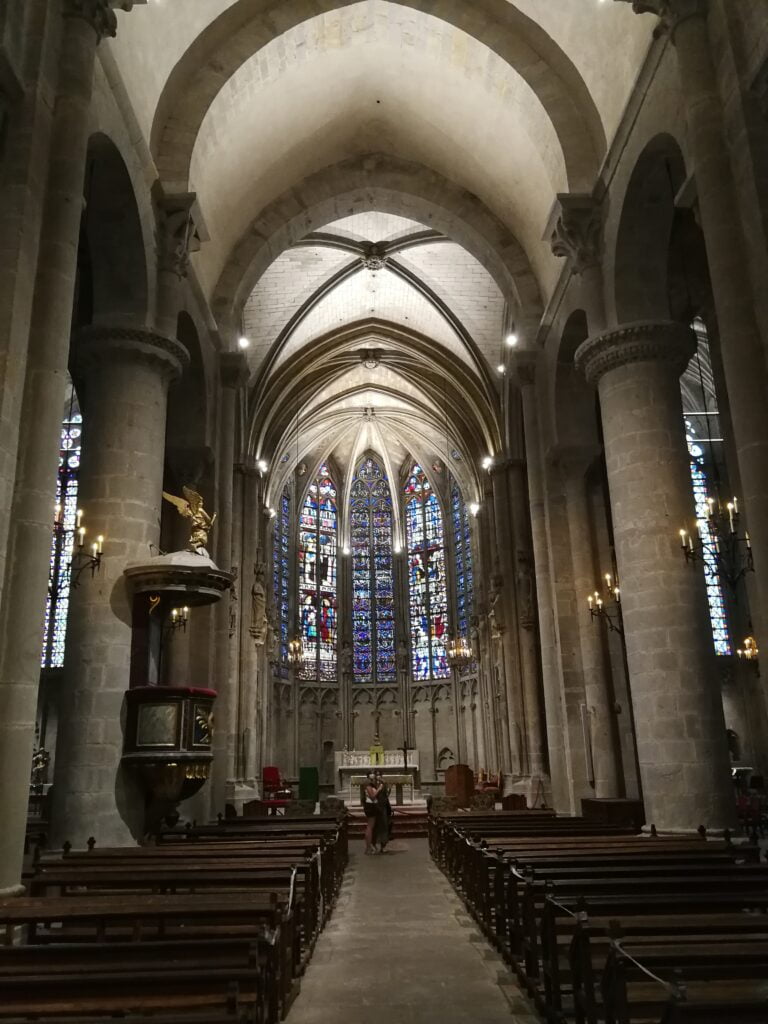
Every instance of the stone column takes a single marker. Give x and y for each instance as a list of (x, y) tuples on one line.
[(248, 698), (26, 114), (233, 371), (742, 351), (679, 721), (536, 743), (509, 630), (29, 533), (123, 378), (525, 368), (574, 464)]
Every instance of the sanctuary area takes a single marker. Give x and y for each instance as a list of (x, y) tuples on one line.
[(383, 389)]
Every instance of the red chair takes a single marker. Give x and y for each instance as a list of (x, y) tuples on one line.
[(270, 781)]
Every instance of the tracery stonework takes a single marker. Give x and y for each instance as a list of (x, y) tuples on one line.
[(653, 341)]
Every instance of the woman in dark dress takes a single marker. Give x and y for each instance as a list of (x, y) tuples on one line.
[(371, 810), (382, 830)]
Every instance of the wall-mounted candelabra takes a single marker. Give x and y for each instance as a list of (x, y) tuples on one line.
[(719, 543), (749, 652), (179, 619), (607, 607), (295, 651), (459, 651), (82, 557)]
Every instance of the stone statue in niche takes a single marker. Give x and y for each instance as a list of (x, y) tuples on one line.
[(496, 605), (258, 627), (233, 603), (474, 636), (402, 656), (272, 644), (525, 600), (346, 661)]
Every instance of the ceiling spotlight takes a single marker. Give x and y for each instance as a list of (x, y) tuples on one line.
[(243, 342), (398, 549), (511, 339), (501, 368), (474, 507), (346, 549), (487, 462), (262, 466)]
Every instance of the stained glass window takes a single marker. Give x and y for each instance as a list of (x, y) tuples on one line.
[(462, 545), (373, 592), (427, 588), (64, 526), (705, 449), (717, 615), (281, 576), (317, 578)]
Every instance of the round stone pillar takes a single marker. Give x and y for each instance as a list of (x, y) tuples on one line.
[(29, 528), (123, 377), (526, 619), (233, 375), (574, 463), (525, 365), (681, 739), (742, 346)]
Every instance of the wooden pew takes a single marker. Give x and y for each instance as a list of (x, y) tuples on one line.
[(137, 918), (227, 967), (644, 981), (588, 939)]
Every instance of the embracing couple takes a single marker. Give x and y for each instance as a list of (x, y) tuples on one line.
[(378, 813)]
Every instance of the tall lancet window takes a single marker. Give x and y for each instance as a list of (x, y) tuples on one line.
[(281, 576), (373, 591), (317, 578), (427, 588), (705, 449), (64, 526), (462, 548)]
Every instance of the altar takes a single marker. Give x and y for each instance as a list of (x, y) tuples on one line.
[(352, 767)]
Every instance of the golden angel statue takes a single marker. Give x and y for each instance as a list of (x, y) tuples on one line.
[(191, 507)]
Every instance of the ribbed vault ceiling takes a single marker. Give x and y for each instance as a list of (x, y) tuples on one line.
[(377, 175)]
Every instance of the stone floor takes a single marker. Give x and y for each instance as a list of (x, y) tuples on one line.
[(401, 949)]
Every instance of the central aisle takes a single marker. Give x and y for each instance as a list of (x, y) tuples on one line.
[(401, 949)]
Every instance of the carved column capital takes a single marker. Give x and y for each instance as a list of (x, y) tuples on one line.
[(98, 344), (100, 14), (181, 231), (671, 12), (641, 342), (574, 230), (233, 369)]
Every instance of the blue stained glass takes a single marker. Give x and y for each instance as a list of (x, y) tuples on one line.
[(717, 614), (427, 584), (462, 547), (62, 543), (281, 576), (317, 578), (373, 613)]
